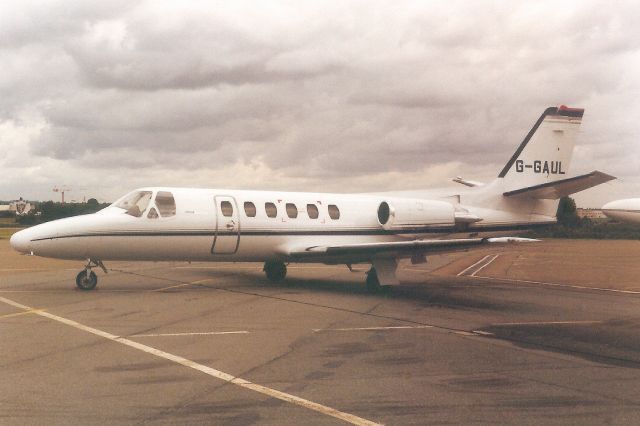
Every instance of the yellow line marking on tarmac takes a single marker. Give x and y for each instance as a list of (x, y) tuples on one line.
[(400, 327), (546, 323), (283, 396), (205, 333), (182, 285), (217, 267), (256, 267), (31, 311), (36, 269), (23, 269), (581, 287)]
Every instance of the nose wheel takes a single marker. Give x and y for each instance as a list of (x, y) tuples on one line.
[(87, 279)]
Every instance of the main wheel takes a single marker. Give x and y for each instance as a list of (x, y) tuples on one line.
[(276, 271), (373, 284), (85, 282)]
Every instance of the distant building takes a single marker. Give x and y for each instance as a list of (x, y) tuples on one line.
[(19, 207), (590, 214)]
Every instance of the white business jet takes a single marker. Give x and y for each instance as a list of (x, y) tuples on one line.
[(277, 228), (627, 210)]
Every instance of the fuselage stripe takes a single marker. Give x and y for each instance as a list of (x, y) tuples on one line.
[(344, 232)]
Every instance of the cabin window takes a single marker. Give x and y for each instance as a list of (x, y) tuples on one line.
[(292, 210), (271, 209), (312, 211), (153, 213), (249, 209), (226, 208), (135, 203), (334, 212), (166, 204)]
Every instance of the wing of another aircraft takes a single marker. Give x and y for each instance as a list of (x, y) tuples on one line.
[(560, 188), (393, 249)]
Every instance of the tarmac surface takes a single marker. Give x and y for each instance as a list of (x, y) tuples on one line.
[(538, 333)]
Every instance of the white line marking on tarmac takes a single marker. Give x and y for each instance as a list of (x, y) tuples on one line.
[(485, 265), (323, 409), (400, 327), (464, 333), (466, 269), (546, 323), (581, 287), (483, 333), (206, 333)]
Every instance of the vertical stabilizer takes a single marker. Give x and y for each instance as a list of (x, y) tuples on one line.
[(544, 156)]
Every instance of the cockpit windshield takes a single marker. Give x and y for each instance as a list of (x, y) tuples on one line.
[(135, 203)]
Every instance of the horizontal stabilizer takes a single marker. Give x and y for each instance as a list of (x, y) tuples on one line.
[(465, 182), (560, 188), (398, 249)]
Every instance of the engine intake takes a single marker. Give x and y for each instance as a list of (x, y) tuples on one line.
[(384, 213), (409, 214)]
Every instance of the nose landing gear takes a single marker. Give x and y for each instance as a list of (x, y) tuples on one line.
[(87, 279)]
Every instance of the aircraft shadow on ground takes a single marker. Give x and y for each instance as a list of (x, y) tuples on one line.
[(612, 342), (433, 294)]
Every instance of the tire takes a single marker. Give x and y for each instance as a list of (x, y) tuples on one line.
[(372, 282), (275, 271), (86, 283)]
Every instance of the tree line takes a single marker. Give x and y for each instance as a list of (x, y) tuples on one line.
[(50, 210)]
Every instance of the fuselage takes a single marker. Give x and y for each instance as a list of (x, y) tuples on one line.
[(627, 210), (236, 225)]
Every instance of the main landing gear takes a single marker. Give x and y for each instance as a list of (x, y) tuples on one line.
[(87, 279), (275, 271), (372, 282)]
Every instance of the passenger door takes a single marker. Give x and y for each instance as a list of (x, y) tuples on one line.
[(227, 236)]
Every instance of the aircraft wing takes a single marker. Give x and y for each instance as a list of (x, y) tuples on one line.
[(394, 249), (561, 188)]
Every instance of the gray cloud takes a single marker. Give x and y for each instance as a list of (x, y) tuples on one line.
[(318, 96)]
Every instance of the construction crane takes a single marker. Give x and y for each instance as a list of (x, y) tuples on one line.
[(61, 190)]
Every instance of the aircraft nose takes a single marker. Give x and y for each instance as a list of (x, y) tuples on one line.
[(21, 242)]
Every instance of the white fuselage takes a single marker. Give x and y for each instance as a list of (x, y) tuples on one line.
[(627, 210), (216, 225)]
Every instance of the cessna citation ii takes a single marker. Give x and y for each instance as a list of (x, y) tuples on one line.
[(277, 228)]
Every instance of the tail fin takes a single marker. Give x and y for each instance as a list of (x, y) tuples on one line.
[(544, 156)]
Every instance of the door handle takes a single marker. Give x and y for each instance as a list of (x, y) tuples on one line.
[(231, 225)]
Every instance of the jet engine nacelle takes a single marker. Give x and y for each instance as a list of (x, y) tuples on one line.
[(408, 214)]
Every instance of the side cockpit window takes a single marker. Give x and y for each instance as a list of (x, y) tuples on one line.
[(153, 214), (135, 203), (166, 204)]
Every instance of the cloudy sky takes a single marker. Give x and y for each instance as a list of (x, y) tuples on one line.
[(103, 97)]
